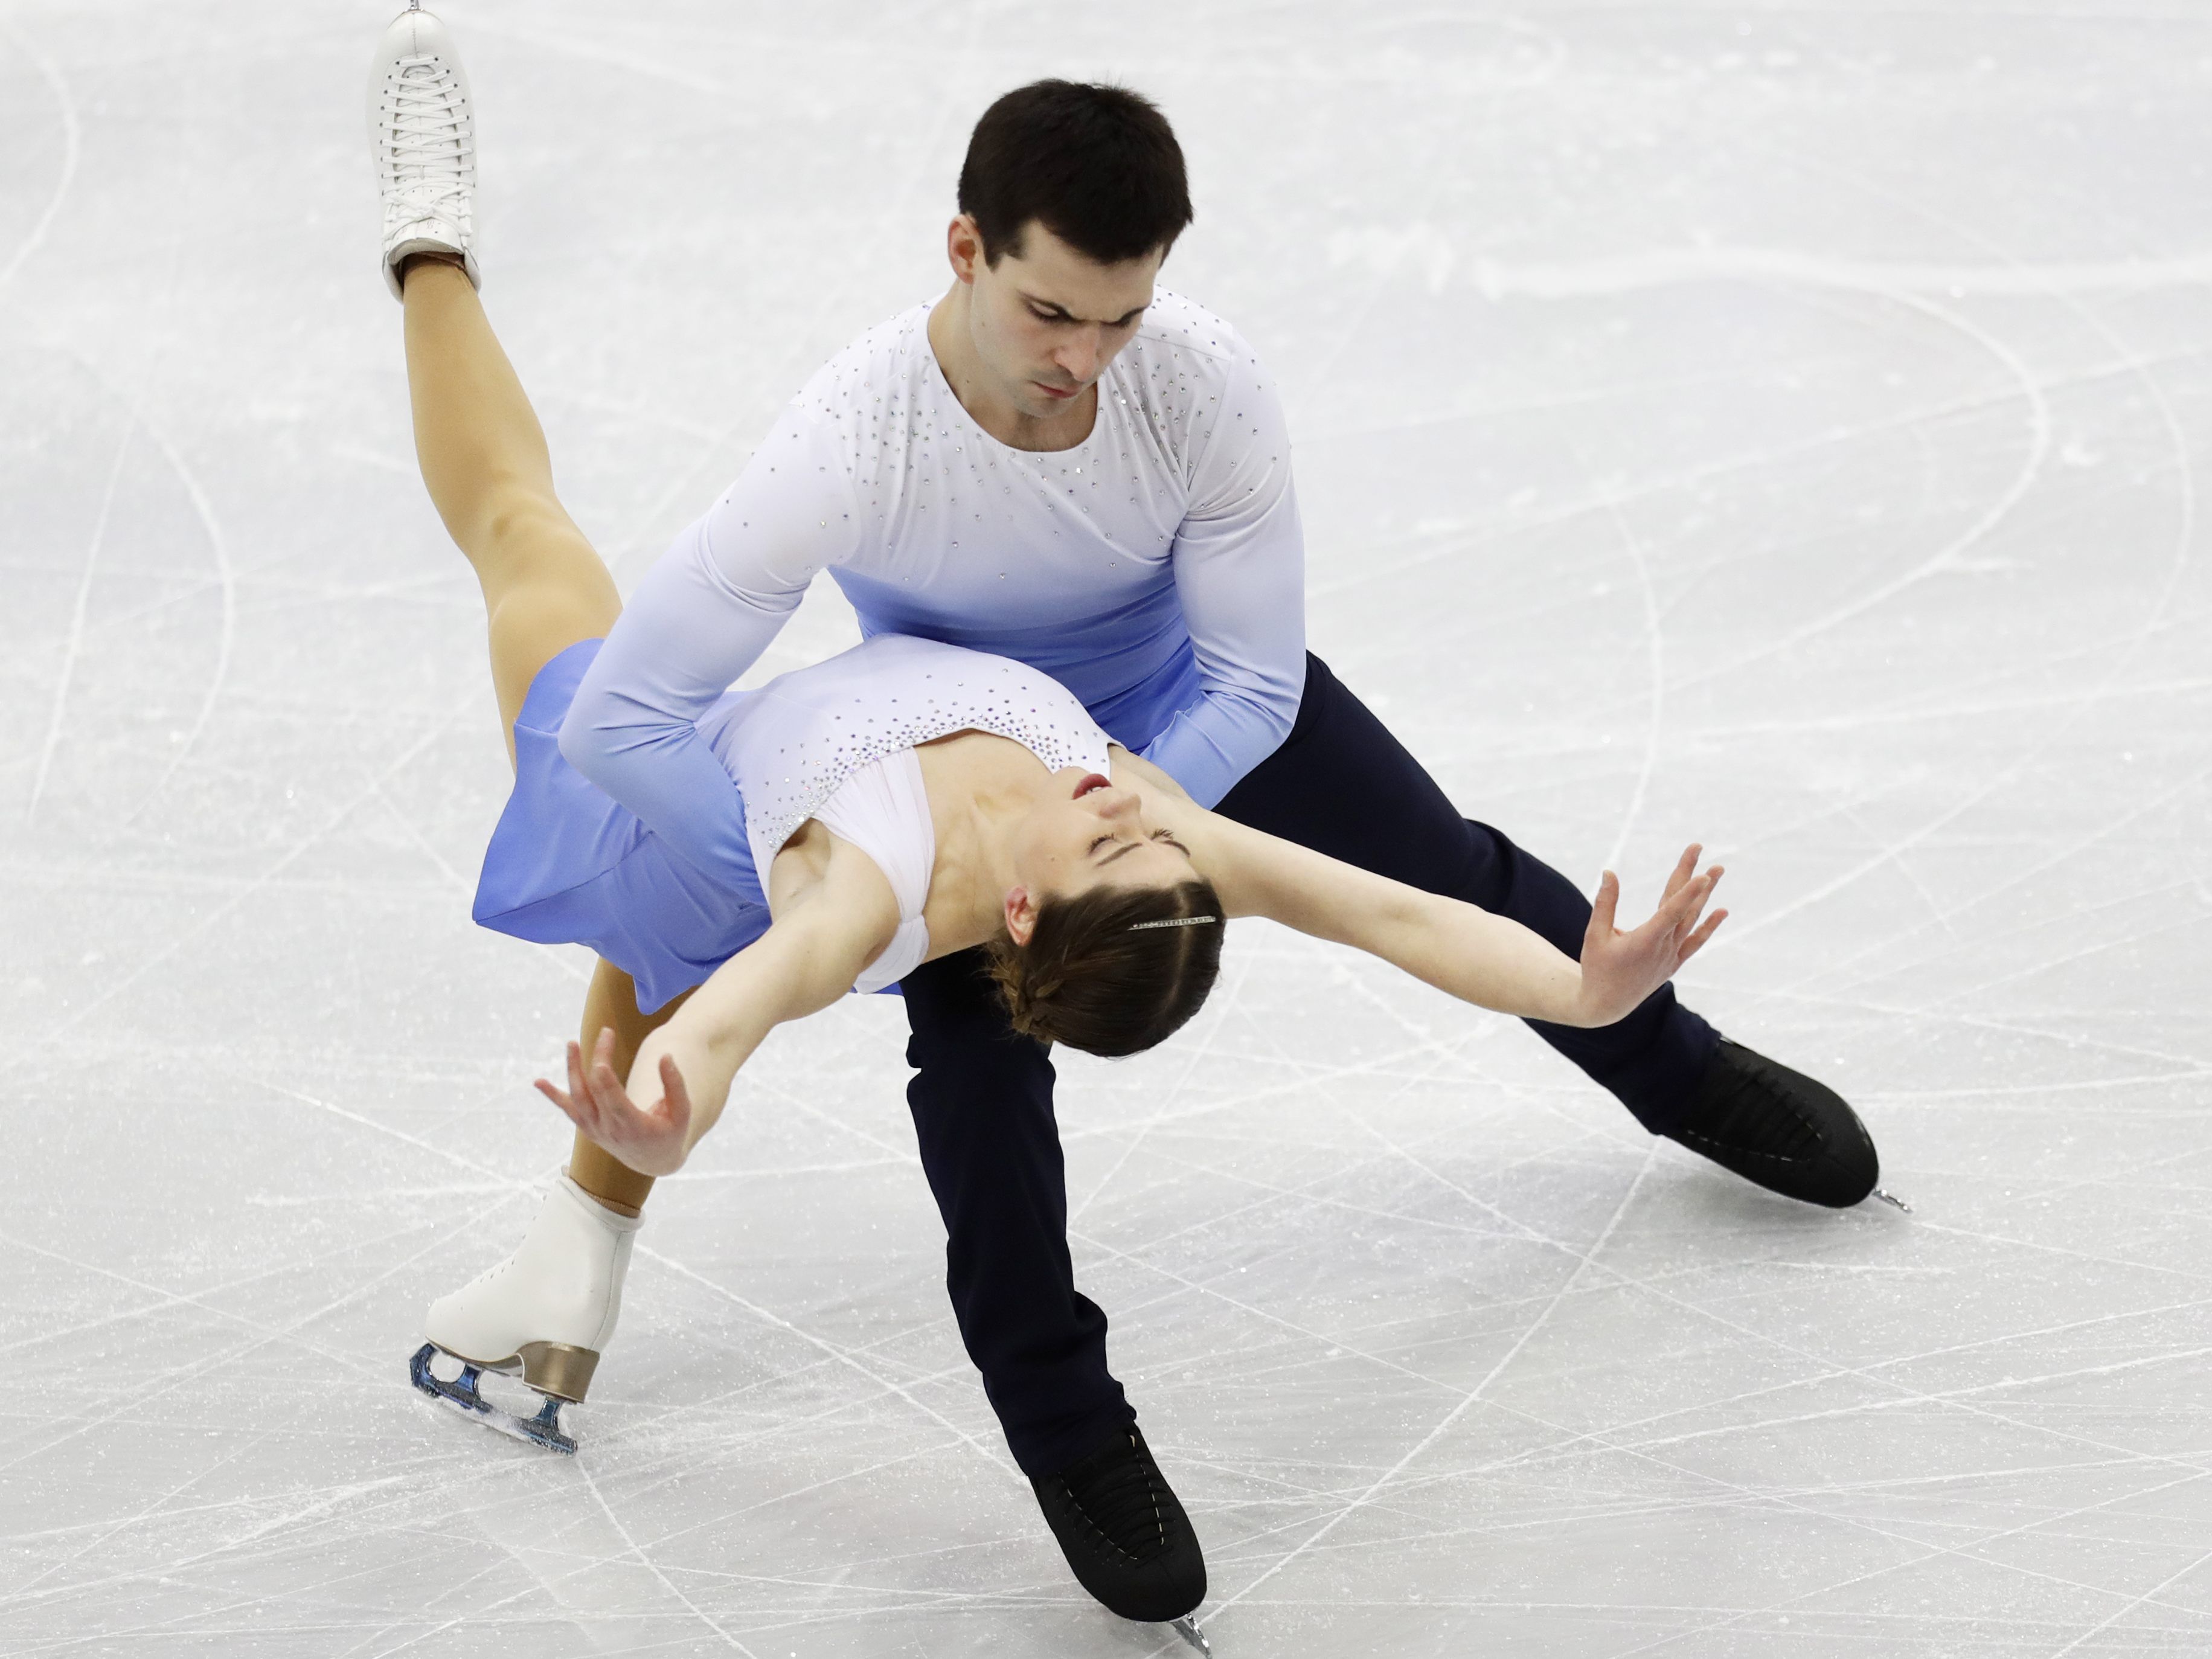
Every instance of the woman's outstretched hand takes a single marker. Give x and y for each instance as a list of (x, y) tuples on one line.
[(650, 1140), (1620, 970)]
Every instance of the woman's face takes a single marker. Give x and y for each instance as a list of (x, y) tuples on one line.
[(1087, 831)]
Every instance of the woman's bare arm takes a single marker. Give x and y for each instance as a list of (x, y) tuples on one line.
[(1489, 960), (821, 939)]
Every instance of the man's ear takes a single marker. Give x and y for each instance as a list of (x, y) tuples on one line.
[(964, 248), (1021, 914)]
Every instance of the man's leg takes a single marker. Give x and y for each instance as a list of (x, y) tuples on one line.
[(981, 1099), (1342, 785)]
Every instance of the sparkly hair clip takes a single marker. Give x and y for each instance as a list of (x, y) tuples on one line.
[(1172, 922)]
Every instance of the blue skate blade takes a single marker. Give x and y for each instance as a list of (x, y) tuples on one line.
[(463, 1396)]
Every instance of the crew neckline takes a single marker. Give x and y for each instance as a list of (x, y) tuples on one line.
[(945, 384)]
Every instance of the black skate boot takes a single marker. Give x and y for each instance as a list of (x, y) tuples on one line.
[(1787, 1132), (1124, 1534)]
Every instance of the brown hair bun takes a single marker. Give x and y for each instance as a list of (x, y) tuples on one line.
[(1113, 970)]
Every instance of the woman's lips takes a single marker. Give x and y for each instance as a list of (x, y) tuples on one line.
[(1089, 782)]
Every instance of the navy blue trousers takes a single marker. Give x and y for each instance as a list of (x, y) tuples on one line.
[(981, 1096)]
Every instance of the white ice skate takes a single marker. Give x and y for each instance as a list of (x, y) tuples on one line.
[(547, 1311), (422, 131)]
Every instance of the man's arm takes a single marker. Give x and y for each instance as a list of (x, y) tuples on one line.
[(701, 617), (1240, 573)]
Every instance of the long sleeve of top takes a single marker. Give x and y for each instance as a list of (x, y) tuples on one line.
[(1156, 569), (700, 618), (1240, 575)]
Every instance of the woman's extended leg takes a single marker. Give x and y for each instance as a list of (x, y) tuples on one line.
[(484, 459)]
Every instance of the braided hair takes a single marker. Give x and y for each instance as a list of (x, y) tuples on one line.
[(1113, 970)]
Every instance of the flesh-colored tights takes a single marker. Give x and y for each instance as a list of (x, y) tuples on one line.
[(612, 1002), (484, 462)]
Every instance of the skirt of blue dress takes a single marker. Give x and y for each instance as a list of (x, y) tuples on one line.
[(570, 865)]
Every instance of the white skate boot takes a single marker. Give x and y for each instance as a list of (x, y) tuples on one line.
[(546, 1311), (422, 132)]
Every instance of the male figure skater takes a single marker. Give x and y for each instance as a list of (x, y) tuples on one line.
[(1058, 463)]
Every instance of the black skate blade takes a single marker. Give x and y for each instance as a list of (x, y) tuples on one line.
[(463, 1396), (1889, 1197), (1187, 1627)]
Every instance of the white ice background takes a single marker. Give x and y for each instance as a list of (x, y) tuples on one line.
[(1782, 426)]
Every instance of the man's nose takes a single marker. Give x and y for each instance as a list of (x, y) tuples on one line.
[(1079, 358)]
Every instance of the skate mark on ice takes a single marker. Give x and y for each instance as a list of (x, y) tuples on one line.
[(72, 146)]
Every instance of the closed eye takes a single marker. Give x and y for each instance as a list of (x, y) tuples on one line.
[(1054, 314), (1158, 836)]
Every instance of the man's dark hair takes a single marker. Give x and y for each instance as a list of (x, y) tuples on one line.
[(1096, 166)]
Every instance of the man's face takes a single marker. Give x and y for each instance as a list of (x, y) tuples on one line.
[(1046, 320)]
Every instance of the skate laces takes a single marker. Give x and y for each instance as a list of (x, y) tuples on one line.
[(428, 137), (1114, 1491)]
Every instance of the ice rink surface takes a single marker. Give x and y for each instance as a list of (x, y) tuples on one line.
[(1780, 426)]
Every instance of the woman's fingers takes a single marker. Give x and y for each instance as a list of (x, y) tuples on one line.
[(606, 1086), (582, 1109), (1603, 908), (1682, 906), (595, 1100), (575, 1105), (562, 1100), (578, 1112), (614, 1100), (602, 1110), (578, 1085), (1685, 897), (675, 1097), (1682, 912), (598, 1102), (1695, 941)]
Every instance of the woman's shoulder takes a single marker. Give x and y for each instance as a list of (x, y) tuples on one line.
[(821, 884)]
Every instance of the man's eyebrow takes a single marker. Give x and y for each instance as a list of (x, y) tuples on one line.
[(1062, 310)]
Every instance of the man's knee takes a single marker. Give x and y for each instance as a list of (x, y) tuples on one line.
[(981, 1069)]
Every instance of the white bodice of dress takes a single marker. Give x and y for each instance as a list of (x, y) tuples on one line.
[(793, 743), (882, 808)]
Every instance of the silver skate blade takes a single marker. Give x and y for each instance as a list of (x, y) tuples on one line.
[(1187, 1627), (463, 1396), (1889, 1197)]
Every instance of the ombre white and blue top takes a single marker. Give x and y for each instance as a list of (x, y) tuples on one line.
[(1156, 569), (834, 742)]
